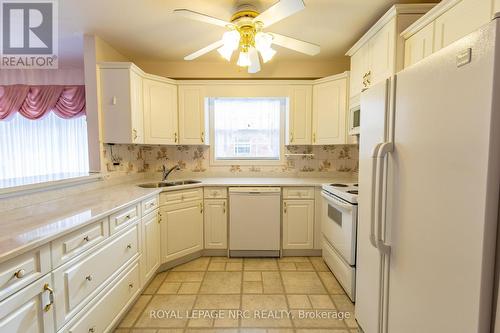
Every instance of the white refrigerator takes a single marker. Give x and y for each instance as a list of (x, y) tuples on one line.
[(429, 179)]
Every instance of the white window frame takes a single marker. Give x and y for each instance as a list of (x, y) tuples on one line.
[(256, 162)]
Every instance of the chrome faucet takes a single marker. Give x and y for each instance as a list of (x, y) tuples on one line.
[(167, 172)]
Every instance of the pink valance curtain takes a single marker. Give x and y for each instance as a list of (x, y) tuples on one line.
[(34, 102)]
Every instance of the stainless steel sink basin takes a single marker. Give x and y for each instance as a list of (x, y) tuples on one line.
[(170, 184)]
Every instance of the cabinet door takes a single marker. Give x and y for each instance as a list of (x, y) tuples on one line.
[(465, 17), (29, 310), (420, 45), (359, 67), (181, 230), (137, 108), (298, 224), (115, 104), (160, 112), (215, 224), (299, 116), (329, 111), (151, 244), (192, 115), (382, 53)]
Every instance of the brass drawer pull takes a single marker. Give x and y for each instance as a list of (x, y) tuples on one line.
[(86, 238), (89, 278), (20, 273), (46, 287), (129, 246)]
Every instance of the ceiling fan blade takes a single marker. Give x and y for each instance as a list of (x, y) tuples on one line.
[(295, 44), (280, 11), (201, 17), (204, 50)]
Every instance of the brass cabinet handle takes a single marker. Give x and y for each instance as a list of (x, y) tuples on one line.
[(129, 246), (159, 217), (175, 137), (89, 278), (201, 207), (291, 136), (46, 287), (20, 273), (314, 137), (86, 238), (284, 208), (224, 207), (134, 133), (203, 137), (131, 285), (92, 329)]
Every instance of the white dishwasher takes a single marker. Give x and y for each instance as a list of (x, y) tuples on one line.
[(254, 221)]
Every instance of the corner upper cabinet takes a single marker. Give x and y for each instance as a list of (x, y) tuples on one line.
[(329, 110), (192, 119), (380, 52), (299, 116), (121, 101), (160, 112)]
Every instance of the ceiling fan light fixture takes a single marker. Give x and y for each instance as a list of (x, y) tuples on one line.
[(263, 41), (231, 40), (254, 66), (225, 52), (243, 59), (267, 54)]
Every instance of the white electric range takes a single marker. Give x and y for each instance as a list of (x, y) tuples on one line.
[(338, 226)]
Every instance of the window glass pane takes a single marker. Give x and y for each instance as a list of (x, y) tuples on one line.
[(51, 148), (247, 128)]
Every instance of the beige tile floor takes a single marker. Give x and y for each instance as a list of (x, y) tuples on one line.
[(207, 294)]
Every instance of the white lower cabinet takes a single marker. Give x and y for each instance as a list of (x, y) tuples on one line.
[(215, 223), (101, 316), (181, 229), (78, 281), (298, 224), (29, 310), (150, 257)]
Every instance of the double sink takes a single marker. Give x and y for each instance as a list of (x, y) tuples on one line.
[(170, 184)]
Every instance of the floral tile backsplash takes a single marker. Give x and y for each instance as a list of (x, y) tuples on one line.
[(196, 159)]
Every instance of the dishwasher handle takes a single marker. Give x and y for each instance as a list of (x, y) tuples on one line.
[(255, 190)]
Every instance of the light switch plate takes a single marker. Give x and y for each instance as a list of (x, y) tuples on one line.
[(464, 58)]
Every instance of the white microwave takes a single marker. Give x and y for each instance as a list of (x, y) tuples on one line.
[(354, 119)]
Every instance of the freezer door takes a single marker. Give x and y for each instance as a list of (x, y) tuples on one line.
[(369, 263), (444, 190)]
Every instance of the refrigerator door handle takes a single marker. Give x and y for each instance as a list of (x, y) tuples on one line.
[(374, 190), (383, 150)]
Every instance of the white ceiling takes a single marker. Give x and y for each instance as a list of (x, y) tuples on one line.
[(147, 29)]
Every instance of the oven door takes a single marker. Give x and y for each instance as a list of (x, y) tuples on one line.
[(338, 225)]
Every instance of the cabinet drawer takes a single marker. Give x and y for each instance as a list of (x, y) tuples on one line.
[(298, 193), (20, 271), (215, 193), (176, 197), (29, 310), (69, 246), (123, 218), (150, 205), (100, 316), (78, 281)]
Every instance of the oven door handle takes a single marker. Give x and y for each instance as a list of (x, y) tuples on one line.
[(374, 193), (384, 149), (336, 202)]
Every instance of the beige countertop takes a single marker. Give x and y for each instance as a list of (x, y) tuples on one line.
[(28, 227)]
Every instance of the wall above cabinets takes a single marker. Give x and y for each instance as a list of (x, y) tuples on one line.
[(139, 108)]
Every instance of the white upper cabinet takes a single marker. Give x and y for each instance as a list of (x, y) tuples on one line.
[(462, 19), (380, 52), (329, 111), (160, 112), (299, 116), (192, 120), (420, 45), (121, 104), (447, 22)]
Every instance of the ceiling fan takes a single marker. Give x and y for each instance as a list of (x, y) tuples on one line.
[(245, 33)]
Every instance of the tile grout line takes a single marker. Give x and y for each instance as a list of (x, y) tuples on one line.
[(285, 294)]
